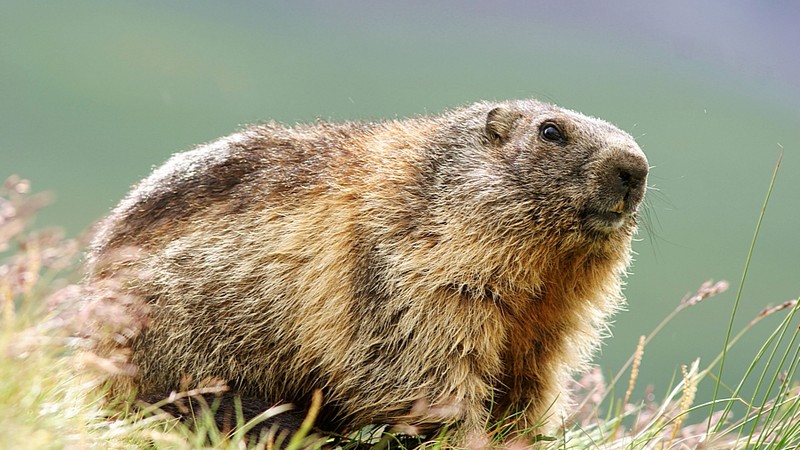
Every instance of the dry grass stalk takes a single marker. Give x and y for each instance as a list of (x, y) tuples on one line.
[(9, 317), (706, 290), (637, 361), (788, 304), (687, 398)]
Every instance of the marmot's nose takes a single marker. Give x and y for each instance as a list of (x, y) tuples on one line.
[(631, 176)]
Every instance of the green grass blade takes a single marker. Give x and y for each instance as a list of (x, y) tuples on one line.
[(780, 332), (739, 293), (763, 405)]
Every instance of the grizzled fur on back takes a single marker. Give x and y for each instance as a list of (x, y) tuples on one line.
[(468, 259)]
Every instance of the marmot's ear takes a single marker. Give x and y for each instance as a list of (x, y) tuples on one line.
[(499, 123)]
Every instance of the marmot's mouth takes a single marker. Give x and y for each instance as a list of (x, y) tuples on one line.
[(606, 220)]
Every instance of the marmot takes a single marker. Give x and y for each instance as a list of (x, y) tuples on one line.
[(468, 259)]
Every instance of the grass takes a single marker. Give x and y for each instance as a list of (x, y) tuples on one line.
[(51, 396)]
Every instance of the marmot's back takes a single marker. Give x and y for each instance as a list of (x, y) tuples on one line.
[(446, 260)]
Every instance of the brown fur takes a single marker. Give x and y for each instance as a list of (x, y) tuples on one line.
[(460, 259)]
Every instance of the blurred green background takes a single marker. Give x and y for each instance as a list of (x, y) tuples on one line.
[(93, 94)]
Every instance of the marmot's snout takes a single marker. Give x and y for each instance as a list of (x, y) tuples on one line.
[(621, 183), (629, 179)]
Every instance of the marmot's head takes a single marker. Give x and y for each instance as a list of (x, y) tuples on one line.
[(556, 171)]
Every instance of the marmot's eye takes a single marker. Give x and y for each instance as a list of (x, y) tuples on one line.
[(551, 133)]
